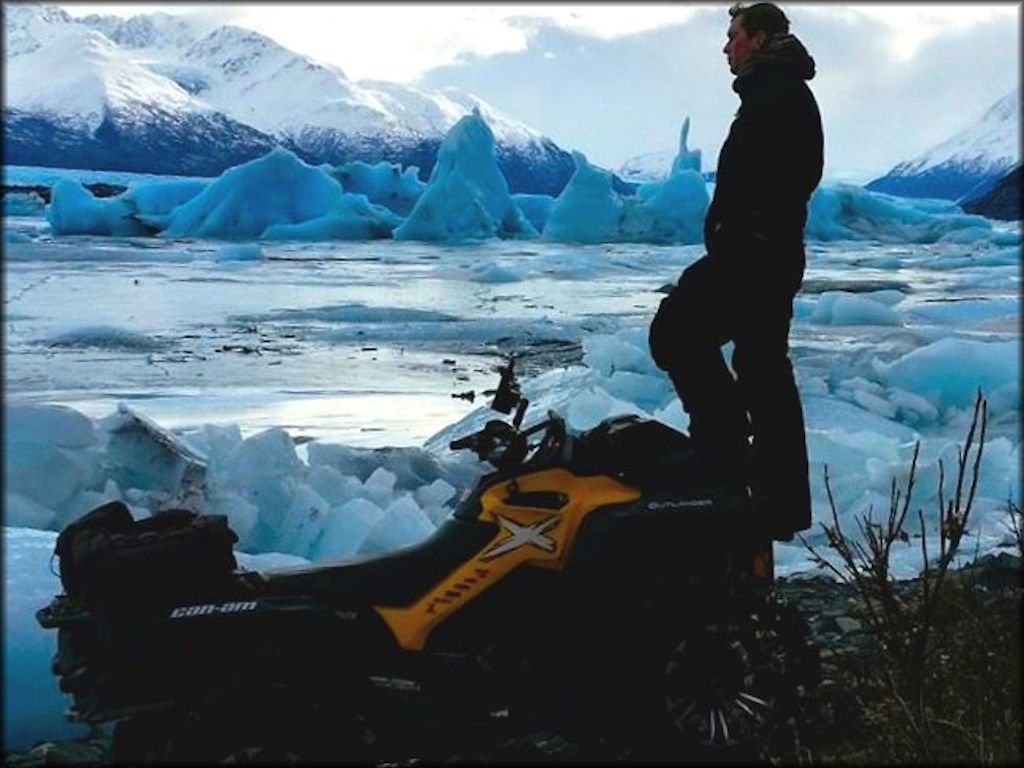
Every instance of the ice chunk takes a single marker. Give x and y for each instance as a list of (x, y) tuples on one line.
[(950, 371), (104, 337), (536, 208), (685, 159), (494, 273), (332, 485), (842, 308), (21, 512), (588, 210), (345, 529), (874, 403), (74, 211), (50, 454), (249, 200), (352, 218), (302, 523), (411, 467), (269, 561), (142, 454), (242, 516), (914, 406), (402, 525), (264, 470), (846, 211), (156, 198), (246, 252), (467, 197), (624, 350), (382, 183), (46, 474), (437, 494), (590, 408), (671, 211), (380, 486), (47, 424), (23, 204)]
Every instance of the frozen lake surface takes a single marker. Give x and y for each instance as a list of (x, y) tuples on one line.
[(353, 342), (366, 343)]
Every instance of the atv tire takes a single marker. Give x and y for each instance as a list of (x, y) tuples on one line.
[(728, 687)]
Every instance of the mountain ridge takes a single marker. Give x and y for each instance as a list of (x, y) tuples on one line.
[(149, 80), (971, 159)]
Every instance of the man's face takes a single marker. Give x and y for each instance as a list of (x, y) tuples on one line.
[(740, 45)]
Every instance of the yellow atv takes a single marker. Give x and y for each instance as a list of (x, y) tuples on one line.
[(598, 584)]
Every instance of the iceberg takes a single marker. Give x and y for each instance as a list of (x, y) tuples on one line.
[(74, 211), (844, 308), (275, 196), (589, 210), (685, 159), (353, 218), (467, 197), (160, 197), (949, 372), (383, 184), (536, 208), (24, 204), (848, 212)]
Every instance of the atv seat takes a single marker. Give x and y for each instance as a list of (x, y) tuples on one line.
[(392, 579)]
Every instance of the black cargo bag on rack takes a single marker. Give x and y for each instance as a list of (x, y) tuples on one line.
[(107, 558)]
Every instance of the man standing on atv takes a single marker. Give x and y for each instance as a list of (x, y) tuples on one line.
[(742, 290)]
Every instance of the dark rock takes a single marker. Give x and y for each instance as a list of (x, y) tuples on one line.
[(998, 201)]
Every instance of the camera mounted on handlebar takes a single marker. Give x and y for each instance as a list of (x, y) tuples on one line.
[(508, 395), (503, 444)]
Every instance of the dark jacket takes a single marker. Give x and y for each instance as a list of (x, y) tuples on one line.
[(770, 162)]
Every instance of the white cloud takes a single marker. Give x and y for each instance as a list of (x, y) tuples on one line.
[(615, 80)]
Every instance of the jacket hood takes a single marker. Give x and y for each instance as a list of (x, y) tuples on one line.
[(780, 53)]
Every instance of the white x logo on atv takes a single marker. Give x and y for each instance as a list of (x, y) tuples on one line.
[(520, 535)]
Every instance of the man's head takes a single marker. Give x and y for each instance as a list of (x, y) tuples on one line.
[(751, 27)]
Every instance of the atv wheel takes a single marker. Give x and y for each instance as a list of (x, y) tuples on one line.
[(717, 687), (729, 687)]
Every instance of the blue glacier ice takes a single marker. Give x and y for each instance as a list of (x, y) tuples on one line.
[(536, 208), (74, 211), (467, 197), (23, 204), (685, 159), (277, 196), (949, 372), (849, 212), (160, 197), (383, 183), (589, 210), (354, 217)]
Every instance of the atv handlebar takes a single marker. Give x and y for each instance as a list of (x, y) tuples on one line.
[(502, 444)]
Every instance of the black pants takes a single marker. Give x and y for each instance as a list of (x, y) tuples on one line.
[(710, 306)]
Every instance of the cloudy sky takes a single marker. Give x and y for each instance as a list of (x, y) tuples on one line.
[(616, 80)]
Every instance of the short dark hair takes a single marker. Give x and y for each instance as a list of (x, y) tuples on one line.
[(761, 17)]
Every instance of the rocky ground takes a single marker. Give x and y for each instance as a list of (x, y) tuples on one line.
[(838, 629)]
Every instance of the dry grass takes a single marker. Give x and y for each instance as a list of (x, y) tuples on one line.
[(944, 685)]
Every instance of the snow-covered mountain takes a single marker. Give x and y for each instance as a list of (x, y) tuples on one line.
[(129, 94), (967, 163)]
